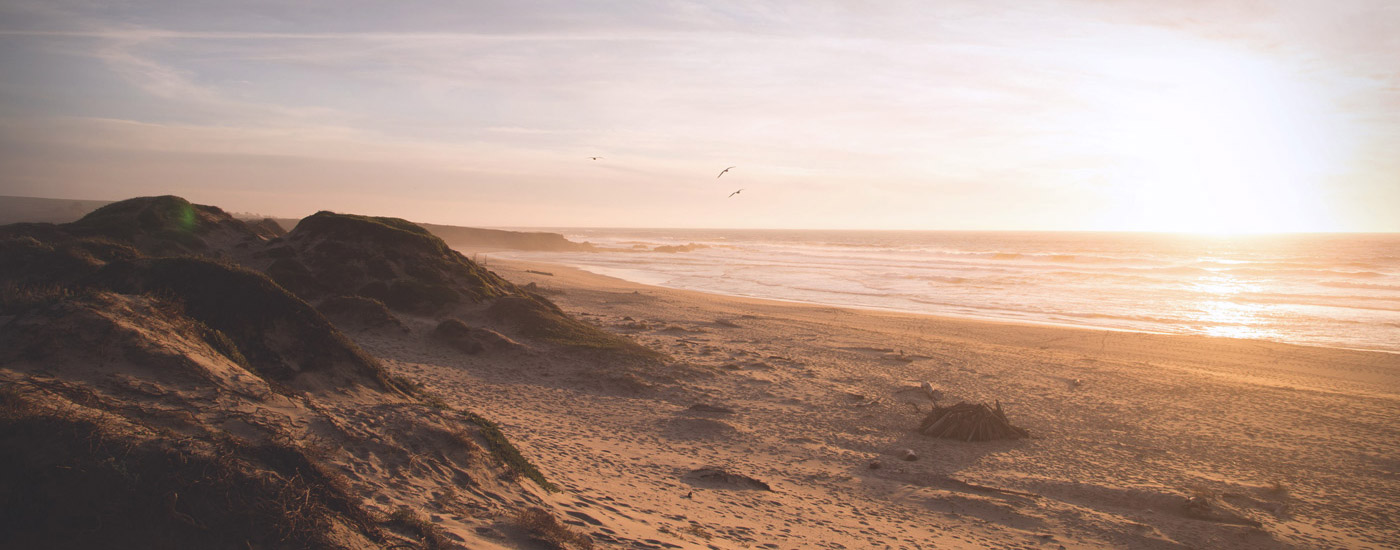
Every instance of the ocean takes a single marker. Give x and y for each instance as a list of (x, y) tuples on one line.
[(1335, 290)]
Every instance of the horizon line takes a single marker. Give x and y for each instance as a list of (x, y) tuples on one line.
[(652, 228)]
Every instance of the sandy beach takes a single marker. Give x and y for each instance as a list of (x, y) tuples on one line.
[(1137, 440), (711, 275), (356, 383)]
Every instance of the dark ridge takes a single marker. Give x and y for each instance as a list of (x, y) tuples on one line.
[(387, 259), (42, 255), (166, 226), (384, 230), (266, 228), (147, 214), (281, 335), (358, 312)]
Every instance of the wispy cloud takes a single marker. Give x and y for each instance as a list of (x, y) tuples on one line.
[(948, 105)]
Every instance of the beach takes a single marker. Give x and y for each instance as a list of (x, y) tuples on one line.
[(1137, 440), (171, 376), (781, 275)]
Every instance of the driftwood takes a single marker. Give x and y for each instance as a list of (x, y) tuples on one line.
[(970, 422)]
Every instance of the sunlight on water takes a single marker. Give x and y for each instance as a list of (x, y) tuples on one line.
[(1221, 317), (1333, 290), (1222, 285), (1234, 320)]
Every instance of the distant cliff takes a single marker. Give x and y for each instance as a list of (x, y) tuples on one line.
[(473, 237), (467, 237)]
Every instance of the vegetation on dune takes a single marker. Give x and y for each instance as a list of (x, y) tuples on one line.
[(539, 318), (403, 231), (432, 536), (163, 226), (80, 466), (144, 215), (541, 525), (506, 452), (281, 335), (82, 478), (387, 259), (359, 312), (17, 298), (58, 260), (247, 316)]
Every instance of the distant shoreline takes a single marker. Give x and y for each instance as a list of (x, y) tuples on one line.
[(616, 274)]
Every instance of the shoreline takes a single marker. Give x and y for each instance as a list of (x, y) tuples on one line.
[(610, 272), (822, 402)]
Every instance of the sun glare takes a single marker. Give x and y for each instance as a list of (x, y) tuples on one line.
[(1227, 147)]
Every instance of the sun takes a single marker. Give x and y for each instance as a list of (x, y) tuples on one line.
[(1226, 146)]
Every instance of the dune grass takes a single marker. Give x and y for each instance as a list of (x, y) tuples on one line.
[(541, 525), (504, 451), (77, 477), (428, 533)]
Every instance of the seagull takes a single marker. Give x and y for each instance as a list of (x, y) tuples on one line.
[(736, 192), (594, 158), (721, 172)]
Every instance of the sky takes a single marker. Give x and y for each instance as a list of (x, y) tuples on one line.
[(1183, 115)]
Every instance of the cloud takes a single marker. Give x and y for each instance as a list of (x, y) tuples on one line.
[(962, 101)]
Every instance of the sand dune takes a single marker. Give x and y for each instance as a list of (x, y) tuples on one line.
[(643, 417)]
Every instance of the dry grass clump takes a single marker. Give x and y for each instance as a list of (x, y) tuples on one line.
[(970, 422), (428, 533), (542, 525), (699, 531), (16, 298)]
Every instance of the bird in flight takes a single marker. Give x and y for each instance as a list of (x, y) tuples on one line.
[(736, 192), (721, 172), (594, 158)]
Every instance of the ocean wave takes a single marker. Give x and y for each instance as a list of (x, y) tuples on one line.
[(1156, 320), (1368, 286), (1348, 296), (1104, 276), (1254, 272), (1370, 303)]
